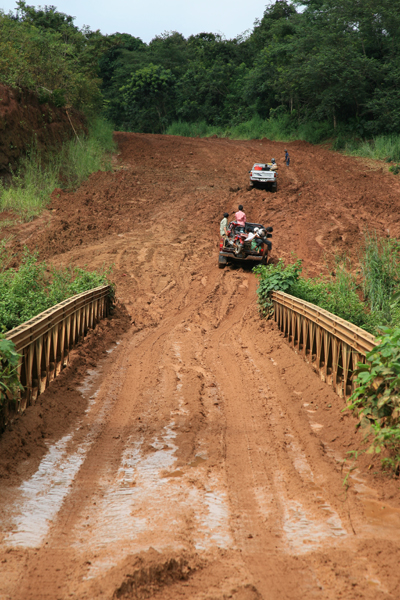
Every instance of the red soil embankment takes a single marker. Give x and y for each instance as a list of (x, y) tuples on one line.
[(24, 121)]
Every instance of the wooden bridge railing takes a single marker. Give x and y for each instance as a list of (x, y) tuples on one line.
[(331, 344), (44, 342)]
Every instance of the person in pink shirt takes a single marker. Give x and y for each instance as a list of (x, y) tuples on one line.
[(240, 217)]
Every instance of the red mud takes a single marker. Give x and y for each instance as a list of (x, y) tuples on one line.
[(24, 121), (212, 455)]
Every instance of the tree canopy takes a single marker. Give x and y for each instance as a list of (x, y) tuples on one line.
[(336, 61)]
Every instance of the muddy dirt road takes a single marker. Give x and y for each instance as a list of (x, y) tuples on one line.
[(188, 452)]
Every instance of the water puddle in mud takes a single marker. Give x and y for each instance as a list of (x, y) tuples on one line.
[(149, 504), (304, 533), (300, 462), (43, 494), (41, 497), (379, 515), (89, 381), (381, 519), (316, 426)]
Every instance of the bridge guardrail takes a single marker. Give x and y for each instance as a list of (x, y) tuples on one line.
[(331, 344), (44, 342)]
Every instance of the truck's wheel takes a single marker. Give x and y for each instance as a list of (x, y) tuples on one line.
[(222, 262), (274, 188), (264, 259)]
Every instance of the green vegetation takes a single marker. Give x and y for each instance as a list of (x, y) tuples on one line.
[(330, 62), (277, 127), (39, 174), (42, 50), (9, 382), (377, 398), (34, 287), (337, 295), (377, 283), (27, 291), (309, 69), (380, 282), (382, 147)]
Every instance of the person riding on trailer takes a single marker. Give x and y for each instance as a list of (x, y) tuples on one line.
[(240, 217), (223, 228)]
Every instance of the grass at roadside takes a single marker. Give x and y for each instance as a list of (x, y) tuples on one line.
[(381, 147), (279, 128), (285, 128), (377, 283), (34, 287), (337, 295), (39, 174), (24, 293)]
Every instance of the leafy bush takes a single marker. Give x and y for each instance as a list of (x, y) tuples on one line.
[(34, 287), (276, 278), (377, 397), (9, 382)]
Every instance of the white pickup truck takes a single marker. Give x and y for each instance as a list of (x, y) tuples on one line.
[(265, 176)]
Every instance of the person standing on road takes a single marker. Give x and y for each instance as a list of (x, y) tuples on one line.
[(287, 158), (240, 217), (223, 227)]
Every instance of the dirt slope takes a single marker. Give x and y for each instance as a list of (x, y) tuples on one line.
[(25, 122), (205, 459)]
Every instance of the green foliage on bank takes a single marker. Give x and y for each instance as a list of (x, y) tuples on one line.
[(377, 398), (337, 295), (380, 147), (35, 286), (39, 173), (368, 296), (26, 292), (9, 382)]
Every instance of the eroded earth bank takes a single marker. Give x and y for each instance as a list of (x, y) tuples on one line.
[(187, 451)]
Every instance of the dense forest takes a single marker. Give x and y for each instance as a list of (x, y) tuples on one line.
[(335, 62)]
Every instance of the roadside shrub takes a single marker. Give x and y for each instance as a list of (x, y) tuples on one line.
[(34, 287), (31, 185), (377, 397), (275, 278), (9, 382), (337, 294)]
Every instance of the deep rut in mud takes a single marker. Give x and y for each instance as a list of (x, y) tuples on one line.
[(205, 458)]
